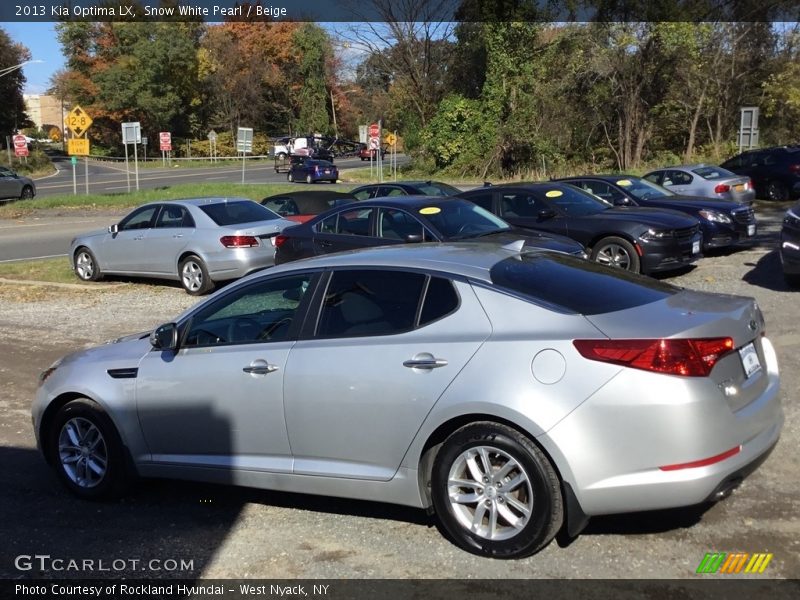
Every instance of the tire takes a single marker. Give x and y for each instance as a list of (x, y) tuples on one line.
[(617, 253), (86, 267), (27, 193), (308, 179), (777, 192), (537, 491), (792, 280), (289, 177), (86, 451), (281, 155), (194, 276)]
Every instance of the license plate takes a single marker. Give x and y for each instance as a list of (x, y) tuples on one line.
[(696, 247), (739, 187), (751, 229), (327, 171), (750, 360)]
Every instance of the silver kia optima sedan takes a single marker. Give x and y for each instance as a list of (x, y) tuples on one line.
[(511, 393), (199, 242)]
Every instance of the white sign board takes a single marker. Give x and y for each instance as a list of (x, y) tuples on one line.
[(244, 139), (131, 133), (362, 134)]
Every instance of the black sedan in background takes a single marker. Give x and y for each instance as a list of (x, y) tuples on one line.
[(642, 240), (312, 170), (790, 246), (404, 188), (303, 205), (724, 223), (407, 219)]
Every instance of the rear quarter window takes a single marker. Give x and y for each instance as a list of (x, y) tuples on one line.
[(577, 286)]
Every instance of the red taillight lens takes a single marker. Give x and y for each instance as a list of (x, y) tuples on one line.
[(239, 241), (689, 358), (749, 184), (722, 188), (316, 169), (794, 168), (280, 240)]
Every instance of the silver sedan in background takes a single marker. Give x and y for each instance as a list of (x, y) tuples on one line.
[(513, 393), (706, 181), (198, 242)]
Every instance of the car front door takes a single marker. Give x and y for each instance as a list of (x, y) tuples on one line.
[(9, 184), (174, 229), (387, 345), (126, 250), (524, 209), (218, 401)]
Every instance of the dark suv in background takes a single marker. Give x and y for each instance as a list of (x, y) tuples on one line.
[(775, 172)]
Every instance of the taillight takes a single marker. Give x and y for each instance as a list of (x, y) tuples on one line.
[(722, 188), (749, 184), (280, 240), (316, 168), (686, 357), (239, 241), (794, 168)]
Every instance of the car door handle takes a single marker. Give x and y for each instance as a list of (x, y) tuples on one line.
[(425, 363), (260, 367), (325, 244), (141, 237), (178, 235)]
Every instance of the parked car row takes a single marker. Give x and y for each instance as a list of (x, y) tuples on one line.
[(14, 186)]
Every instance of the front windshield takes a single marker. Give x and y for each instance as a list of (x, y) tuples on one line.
[(460, 219), (572, 201), (641, 189)]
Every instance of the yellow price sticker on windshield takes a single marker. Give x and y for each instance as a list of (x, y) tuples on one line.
[(554, 193), (430, 210), (624, 182)]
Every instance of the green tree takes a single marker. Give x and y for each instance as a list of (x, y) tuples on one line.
[(12, 82), (313, 50)]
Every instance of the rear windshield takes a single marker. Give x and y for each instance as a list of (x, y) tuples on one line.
[(237, 212), (437, 189), (578, 286), (713, 172)]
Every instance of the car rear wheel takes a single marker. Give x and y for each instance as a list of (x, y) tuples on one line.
[(616, 252), (86, 451), (86, 267), (792, 280), (495, 492), (308, 179), (194, 276), (777, 192), (27, 193)]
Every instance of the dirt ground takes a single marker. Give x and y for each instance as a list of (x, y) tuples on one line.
[(235, 532)]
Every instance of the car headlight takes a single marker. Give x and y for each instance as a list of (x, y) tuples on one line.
[(43, 376), (715, 216), (655, 234)]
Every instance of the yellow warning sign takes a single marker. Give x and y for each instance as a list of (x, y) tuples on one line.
[(78, 147), (78, 121)]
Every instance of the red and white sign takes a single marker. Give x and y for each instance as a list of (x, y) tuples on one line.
[(374, 130), (20, 145), (374, 143), (165, 140)]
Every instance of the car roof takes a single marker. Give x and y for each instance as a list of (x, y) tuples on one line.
[(521, 184), (312, 195), (202, 201), (604, 177), (411, 201), (403, 183), (470, 260)]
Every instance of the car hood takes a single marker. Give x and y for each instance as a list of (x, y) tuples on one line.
[(650, 217), (124, 352), (535, 239), (683, 202)]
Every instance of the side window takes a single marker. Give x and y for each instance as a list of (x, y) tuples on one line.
[(365, 194), (139, 219), (520, 204), (654, 178), (174, 216), (441, 299), (277, 204), (348, 222), (369, 303), (395, 224), (5, 172), (482, 200), (257, 313), (603, 190), (677, 178), (391, 191)]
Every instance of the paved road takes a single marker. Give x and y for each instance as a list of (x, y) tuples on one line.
[(107, 177), (45, 237)]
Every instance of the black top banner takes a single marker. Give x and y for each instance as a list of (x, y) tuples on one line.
[(402, 10)]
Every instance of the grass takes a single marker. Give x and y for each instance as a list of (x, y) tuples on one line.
[(55, 270), (13, 210)]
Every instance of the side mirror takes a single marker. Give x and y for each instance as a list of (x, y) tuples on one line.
[(545, 214), (622, 202), (165, 337), (414, 238), (113, 228)]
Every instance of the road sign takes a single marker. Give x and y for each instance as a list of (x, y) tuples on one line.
[(374, 143), (78, 121), (165, 141), (374, 130), (131, 133), (212, 136), (362, 134), (244, 139), (20, 145), (78, 146), (390, 139), (144, 141), (74, 160)]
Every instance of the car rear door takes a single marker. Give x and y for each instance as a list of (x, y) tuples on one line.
[(347, 229), (524, 209), (359, 387), (174, 228)]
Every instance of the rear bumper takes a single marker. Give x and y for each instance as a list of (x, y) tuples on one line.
[(236, 263)]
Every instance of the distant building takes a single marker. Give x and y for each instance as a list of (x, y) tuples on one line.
[(44, 111)]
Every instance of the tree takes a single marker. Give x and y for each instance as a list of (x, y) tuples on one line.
[(12, 82), (313, 50)]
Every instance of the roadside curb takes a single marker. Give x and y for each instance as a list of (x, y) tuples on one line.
[(68, 286)]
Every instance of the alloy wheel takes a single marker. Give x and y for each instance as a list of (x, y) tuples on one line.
[(82, 452), (192, 276)]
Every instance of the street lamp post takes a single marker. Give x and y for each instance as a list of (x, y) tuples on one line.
[(7, 70)]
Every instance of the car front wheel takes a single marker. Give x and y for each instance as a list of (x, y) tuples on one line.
[(309, 179), (27, 193), (86, 451), (616, 252), (495, 492), (289, 177), (86, 267), (194, 276)]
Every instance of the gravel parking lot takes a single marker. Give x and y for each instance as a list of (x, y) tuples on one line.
[(234, 532)]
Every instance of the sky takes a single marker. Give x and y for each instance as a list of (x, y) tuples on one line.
[(40, 39)]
